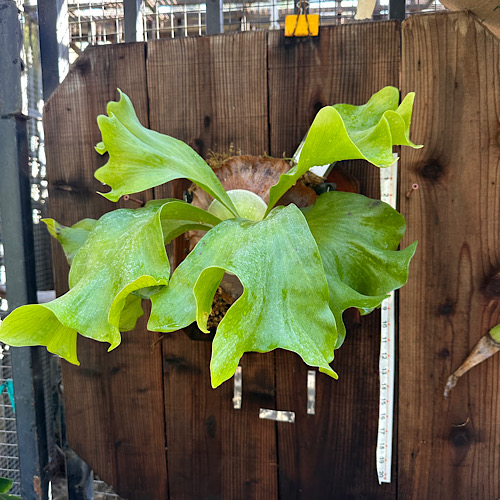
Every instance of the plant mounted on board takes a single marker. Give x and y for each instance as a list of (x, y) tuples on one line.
[(299, 268)]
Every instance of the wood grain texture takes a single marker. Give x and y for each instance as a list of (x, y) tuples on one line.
[(332, 453), (449, 449), (212, 93), (344, 64), (260, 92), (114, 402)]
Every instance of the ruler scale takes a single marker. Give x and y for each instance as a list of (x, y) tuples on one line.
[(388, 192)]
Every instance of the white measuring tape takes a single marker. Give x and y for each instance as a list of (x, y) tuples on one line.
[(388, 191), (388, 194)]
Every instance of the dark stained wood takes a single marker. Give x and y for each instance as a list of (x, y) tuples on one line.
[(212, 93), (331, 454), (449, 449), (344, 64), (114, 402), (259, 93)]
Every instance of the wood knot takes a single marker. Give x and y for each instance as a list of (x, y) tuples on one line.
[(211, 425), (460, 437), (180, 364), (114, 370), (317, 106), (446, 309), (491, 286), (83, 65), (433, 170), (199, 145), (444, 353)]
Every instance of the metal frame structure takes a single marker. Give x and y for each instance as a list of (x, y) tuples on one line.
[(17, 229), (103, 21)]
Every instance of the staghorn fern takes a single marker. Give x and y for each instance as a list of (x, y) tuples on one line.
[(300, 268)]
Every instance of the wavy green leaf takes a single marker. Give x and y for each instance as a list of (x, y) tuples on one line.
[(358, 239), (177, 217), (70, 238), (285, 299), (346, 132), (117, 261), (141, 159), (123, 253), (132, 309)]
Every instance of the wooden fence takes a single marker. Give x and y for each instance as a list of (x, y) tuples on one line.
[(144, 416)]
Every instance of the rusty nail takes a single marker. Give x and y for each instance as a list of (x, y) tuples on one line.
[(127, 197), (414, 187)]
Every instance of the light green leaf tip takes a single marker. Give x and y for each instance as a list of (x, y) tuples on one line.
[(141, 159), (495, 333), (70, 238), (358, 239), (37, 324), (346, 132), (178, 217), (285, 299)]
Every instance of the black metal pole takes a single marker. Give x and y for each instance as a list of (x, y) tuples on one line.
[(214, 17), (397, 9), (53, 33), (132, 21), (17, 232)]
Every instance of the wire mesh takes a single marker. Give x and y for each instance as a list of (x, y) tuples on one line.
[(99, 21), (33, 103), (9, 454), (39, 188), (36, 151)]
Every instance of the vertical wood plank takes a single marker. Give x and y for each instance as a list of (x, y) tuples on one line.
[(345, 63), (331, 454), (114, 402), (449, 449), (211, 92)]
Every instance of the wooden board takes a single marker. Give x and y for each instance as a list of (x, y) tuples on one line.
[(331, 454), (212, 93), (114, 402), (344, 64), (259, 92), (449, 449)]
